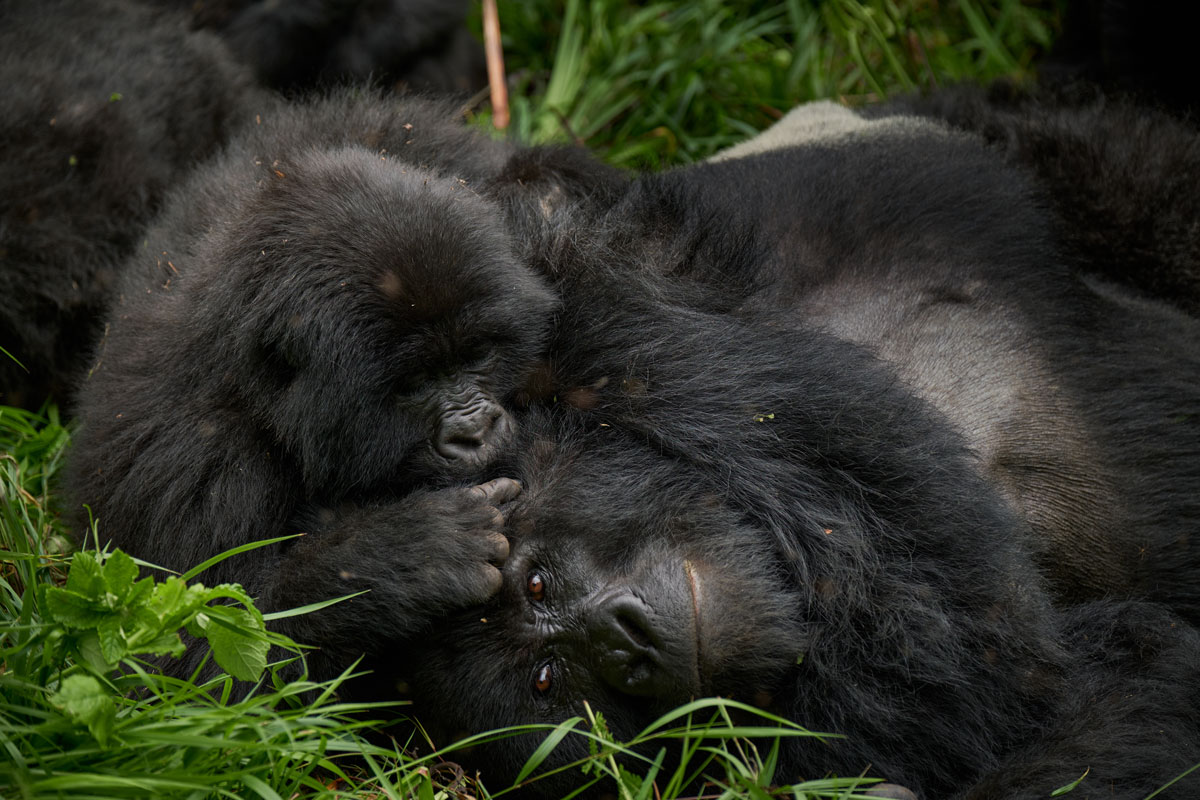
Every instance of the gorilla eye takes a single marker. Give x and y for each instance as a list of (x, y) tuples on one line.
[(536, 585), (543, 678)]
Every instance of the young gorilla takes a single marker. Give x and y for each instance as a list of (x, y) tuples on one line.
[(106, 104), (312, 327)]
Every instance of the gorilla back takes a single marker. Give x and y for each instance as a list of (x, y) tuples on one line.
[(1079, 397)]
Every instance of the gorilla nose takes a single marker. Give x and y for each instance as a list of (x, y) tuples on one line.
[(463, 436), (633, 655)]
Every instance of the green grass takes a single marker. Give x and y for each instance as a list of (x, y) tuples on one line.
[(647, 85), (663, 83)]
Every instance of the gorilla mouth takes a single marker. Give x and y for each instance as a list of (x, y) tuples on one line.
[(463, 447)]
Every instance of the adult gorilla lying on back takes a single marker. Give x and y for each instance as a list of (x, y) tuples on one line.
[(1079, 397), (807, 536), (715, 498)]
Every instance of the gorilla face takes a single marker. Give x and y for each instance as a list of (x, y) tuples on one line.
[(379, 317), (627, 588)]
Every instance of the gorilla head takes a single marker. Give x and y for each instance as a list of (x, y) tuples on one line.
[(638, 580), (661, 596), (371, 313), (303, 340)]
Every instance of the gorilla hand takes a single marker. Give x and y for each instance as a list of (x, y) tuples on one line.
[(431, 553)]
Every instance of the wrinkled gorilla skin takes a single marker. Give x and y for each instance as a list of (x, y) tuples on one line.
[(106, 105), (1079, 398), (313, 326)]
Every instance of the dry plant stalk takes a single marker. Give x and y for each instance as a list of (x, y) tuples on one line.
[(495, 64)]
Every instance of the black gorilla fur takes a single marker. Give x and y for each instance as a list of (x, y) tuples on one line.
[(1120, 177), (312, 325), (424, 44), (1079, 398), (840, 397), (106, 105), (922, 636), (724, 444)]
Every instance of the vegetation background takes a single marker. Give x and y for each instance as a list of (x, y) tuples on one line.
[(656, 84), (647, 85)]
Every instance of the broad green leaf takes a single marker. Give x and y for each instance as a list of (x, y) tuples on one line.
[(112, 641), (169, 644), (237, 640), (91, 652), (73, 609), (120, 573), (85, 701), (85, 577)]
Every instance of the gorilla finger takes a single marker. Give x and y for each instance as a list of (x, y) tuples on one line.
[(493, 581), (498, 548), (498, 491)]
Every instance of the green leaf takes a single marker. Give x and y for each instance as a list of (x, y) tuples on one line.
[(547, 747), (119, 574), (260, 787), (311, 607), (71, 609), (92, 653), (169, 644), (85, 577), (85, 701), (1070, 787), (238, 641), (233, 551), (112, 641)]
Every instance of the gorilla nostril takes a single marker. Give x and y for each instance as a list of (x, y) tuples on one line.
[(633, 652), (633, 621), (465, 442), (623, 635), (459, 448)]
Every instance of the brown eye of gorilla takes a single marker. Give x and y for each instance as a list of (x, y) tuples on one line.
[(543, 679), (536, 586)]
